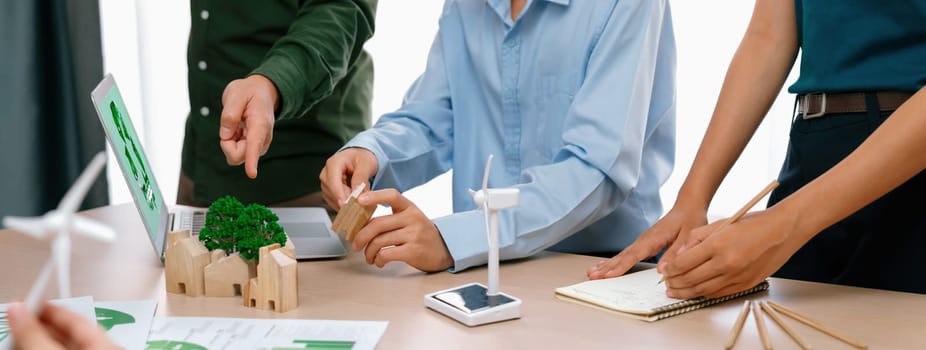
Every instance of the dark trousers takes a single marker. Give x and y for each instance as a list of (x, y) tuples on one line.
[(879, 246)]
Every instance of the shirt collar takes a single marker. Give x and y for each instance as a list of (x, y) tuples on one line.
[(503, 7), (505, 4)]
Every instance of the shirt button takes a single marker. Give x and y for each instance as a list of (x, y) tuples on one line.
[(202, 65), (510, 43), (204, 111), (204, 15)]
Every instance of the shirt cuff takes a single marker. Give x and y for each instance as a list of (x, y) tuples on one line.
[(284, 75), (367, 142), (465, 237)]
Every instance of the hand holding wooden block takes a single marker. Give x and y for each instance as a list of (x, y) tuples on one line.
[(352, 217)]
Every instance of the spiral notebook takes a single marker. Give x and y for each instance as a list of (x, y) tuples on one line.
[(639, 295)]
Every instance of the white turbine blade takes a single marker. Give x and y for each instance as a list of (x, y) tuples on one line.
[(35, 293), (34, 227), (92, 228), (61, 251), (485, 177), (75, 195)]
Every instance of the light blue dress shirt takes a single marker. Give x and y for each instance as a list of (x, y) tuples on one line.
[(576, 100)]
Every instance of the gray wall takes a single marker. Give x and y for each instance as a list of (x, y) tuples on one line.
[(51, 59)]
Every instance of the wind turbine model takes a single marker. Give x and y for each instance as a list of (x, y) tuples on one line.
[(473, 304), (59, 224)]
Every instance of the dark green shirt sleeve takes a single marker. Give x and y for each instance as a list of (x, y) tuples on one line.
[(317, 51), (312, 50)]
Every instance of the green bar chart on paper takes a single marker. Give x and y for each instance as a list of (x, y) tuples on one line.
[(172, 345), (200, 333), (324, 344)]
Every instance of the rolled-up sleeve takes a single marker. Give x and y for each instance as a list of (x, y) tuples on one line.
[(317, 52)]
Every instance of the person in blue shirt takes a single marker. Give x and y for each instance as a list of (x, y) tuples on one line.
[(576, 101), (849, 207)]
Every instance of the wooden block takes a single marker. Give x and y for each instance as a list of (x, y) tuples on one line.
[(250, 293), (175, 236), (275, 287), (290, 246), (226, 276), (284, 287), (184, 260), (351, 218)]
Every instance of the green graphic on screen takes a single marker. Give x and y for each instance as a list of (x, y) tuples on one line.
[(109, 318), (173, 345), (135, 159), (129, 151)]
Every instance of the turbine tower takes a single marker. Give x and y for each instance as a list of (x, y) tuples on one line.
[(474, 304)]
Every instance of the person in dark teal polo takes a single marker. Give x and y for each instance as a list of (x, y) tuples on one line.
[(849, 208), (283, 82)]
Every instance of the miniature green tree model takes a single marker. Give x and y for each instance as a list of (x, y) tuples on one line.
[(257, 227), (218, 232), (232, 227)]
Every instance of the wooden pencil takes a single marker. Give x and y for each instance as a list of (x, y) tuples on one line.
[(738, 326), (781, 323), (760, 324), (818, 326), (752, 202)]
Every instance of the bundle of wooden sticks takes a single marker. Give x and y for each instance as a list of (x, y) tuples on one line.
[(772, 310)]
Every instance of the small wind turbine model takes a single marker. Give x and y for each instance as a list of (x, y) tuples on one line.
[(59, 224), (473, 304)]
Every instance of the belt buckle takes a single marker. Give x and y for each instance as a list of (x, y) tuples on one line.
[(806, 106)]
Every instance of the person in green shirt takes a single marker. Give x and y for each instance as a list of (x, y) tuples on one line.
[(282, 84), (849, 207)]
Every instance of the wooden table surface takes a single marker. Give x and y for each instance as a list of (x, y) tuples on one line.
[(348, 289)]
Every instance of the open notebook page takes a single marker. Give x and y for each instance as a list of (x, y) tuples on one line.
[(638, 292)]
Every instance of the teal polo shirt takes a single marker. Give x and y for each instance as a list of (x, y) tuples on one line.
[(861, 45)]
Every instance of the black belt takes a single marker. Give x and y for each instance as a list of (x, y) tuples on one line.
[(815, 105)]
